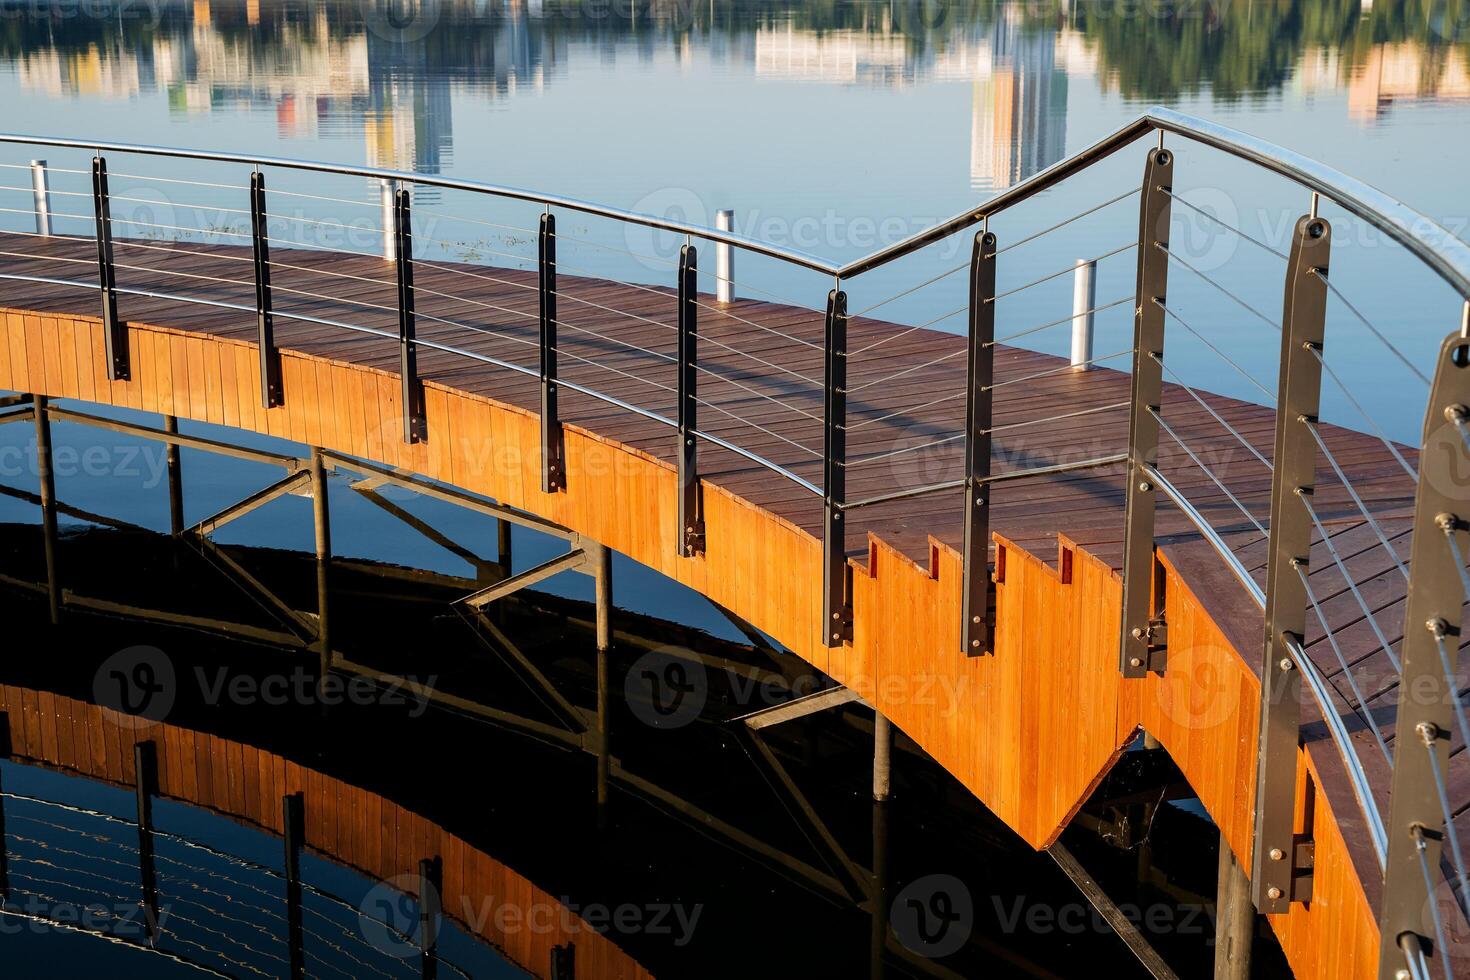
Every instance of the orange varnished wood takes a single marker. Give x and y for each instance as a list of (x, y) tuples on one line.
[(1029, 730)]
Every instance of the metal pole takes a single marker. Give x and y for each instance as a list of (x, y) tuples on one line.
[(1235, 918), (145, 784), (1275, 858), (602, 588), (293, 820), (1141, 648), (882, 756), (1084, 299), (408, 354), (836, 609), (41, 191), (978, 601), (1432, 638), (724, 259), (553, 469), (878, 932), (690, 531), (430, 882), (114, 333), (322, 523), (388, 193), (175, 478), (265, 330), (47, 478)]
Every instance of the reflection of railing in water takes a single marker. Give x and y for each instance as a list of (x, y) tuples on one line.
[(1300, 511)]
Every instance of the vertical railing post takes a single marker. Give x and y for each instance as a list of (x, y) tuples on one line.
[(265, 328), (293, 820), (1432, 637), (145, 784), (1142, 644), (41, 193), (724, 259), (978, 602), (114, 334), (1084, 301), (408, 359), (1275, 879), (388, 197), (431, 880), (553, 468), (46, 472), (836, 608), (690, 531)]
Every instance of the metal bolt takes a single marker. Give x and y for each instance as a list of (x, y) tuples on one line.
[(1401, 974), (1138, 632), (837, 516), (836, 615), (1273, 892), (689, 530), (975, 620), (1277, 854), (974, 643), (688, 442), (1428, 732), (979, 501), (836, 636), (1285, 663), (1145, 486), (1134, 662), (1456, 413)]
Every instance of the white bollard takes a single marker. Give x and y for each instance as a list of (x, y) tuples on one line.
[(42, 193), (1084, 298), (724, 259), (390, 247)]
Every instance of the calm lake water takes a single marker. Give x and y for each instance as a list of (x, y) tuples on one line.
[(831, 128)]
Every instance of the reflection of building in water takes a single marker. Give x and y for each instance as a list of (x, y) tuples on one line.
[(1404, 72), (790, 54)]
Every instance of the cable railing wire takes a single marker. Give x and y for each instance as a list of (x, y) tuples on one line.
[(1057, 323), (1208, 472), (1313, 427), (1062, 224), (756, 425), (1352, 586), (1057, 370), (1372, 423), (1057, 275), (1222, 223), (1176, 257), (1383, 338), (1210, 409), (1271, 399)]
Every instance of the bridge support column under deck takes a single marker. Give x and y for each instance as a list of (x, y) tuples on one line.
[(882, 756), (322, 523), (1235, 918), (293, 820), (47, 475), (175, 478), (601, 560), (145, 783)]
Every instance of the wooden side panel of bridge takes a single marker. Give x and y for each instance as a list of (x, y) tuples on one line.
[(1029, 730)]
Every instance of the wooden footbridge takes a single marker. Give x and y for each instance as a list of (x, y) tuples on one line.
[(1069, 556)]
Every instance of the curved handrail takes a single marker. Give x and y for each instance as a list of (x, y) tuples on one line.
[(1428, 240)]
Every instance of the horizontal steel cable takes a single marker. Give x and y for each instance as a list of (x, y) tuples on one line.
[(577, 240), (278, 192), (469, 247), (1429, 737), (474, 221), (758, 326), (610, 309), (770, 398), (907, 410), (1057, 418), (911, 290), (863, 461), (908, 370), (757, 425), (1062, 224), (1388, 443), (455, 269), (1258, 314), (1057, 370), (1313, 428), (1206, 406), (1208, 472), (1360, 707), (323, 223), (1057, 275), (635, 377), (1222, 223), (1305, 498), (273, 263), (187, 206), (1369, 324), (49, 258), (1056, 323), (219, 232), (247, 283), (1221, 354), (113, 174), (523, 314), (761, 360), (908, 330), (613, 340)]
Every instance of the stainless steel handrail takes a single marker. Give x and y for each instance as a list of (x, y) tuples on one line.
[(1425, 238)]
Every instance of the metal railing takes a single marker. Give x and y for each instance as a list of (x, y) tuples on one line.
[(804, 401)]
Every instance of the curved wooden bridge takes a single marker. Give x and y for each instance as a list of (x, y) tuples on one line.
[(960, 531)]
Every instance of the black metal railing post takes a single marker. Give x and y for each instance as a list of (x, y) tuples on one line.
[(553, 465), (1430, 653), (265, 327), (690, 532), (836, 604), (978, 604), (145, 784), (431, 882), (293, 826), (408, 359), (1276, 876), (1141, 648), (114, 333)]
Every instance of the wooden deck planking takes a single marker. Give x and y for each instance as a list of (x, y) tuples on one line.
[(358, 412)]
